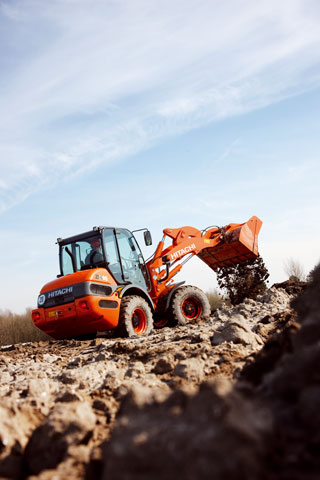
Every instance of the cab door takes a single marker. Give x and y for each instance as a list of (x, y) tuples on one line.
[(131, 258)]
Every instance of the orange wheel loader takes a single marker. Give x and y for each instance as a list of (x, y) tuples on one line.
[(105, 283)]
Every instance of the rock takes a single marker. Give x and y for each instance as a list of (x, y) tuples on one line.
[(237, 330), (135, 369), (134, 396), (165, 364), (66, 378), (66, 425), (111, 382), (180, 355), (75, 362), (41, 389), (5, 377), (67, 397), (199, 337), (16, 424), (191, 370), (101, 405), (100, 357)]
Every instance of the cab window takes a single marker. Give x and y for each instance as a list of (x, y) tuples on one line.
[(131, 258), (112, 254), (86, 253)]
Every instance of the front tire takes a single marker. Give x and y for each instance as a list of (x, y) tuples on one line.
[(135, 318), (188, 305)]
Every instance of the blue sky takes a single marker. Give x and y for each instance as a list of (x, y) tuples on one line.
[(158, 114)]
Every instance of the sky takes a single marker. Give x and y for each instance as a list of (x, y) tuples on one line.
[(156, 114)]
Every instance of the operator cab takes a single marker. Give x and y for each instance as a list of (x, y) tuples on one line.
[(115, 249)]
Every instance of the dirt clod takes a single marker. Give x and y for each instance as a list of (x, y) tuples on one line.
[(234, 396)]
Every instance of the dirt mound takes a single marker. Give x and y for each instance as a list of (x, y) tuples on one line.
[(269, 429), (235, 396), (189, 436), (293, 287)]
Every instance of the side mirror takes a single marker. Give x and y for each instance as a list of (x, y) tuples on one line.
[(147, 238)]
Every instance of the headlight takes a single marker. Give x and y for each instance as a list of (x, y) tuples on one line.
[(104, 290)]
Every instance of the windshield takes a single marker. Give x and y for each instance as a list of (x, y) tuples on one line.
[(81, 254)]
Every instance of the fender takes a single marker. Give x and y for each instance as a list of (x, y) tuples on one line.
[(175, 288), (134, 289)]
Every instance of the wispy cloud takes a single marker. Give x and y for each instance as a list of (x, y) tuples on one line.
[(86, 82)]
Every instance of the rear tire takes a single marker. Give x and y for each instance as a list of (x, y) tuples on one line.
[(188, 305), (135, 318)]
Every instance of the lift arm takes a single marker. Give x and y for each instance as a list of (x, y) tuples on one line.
[(216, 246)]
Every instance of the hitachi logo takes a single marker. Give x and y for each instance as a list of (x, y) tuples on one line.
[(181, 252), (61, 291)]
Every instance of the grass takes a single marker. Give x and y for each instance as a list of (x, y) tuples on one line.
[(15, 328)]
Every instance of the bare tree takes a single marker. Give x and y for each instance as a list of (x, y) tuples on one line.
[(294, 270)]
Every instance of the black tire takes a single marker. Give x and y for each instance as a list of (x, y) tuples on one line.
[(135, 318), (188, 305)]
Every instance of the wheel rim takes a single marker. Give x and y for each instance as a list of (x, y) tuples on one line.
[(191, 308), (139, 321)]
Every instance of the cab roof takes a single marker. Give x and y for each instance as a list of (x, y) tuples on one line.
[(92, 233)]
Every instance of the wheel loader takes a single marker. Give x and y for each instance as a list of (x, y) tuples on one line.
[(105, 283)]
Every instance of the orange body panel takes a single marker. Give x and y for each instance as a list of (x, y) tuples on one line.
[(83, 315), (97, 275), (63, 321)]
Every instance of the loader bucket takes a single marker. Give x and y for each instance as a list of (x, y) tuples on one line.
[(237, 245)]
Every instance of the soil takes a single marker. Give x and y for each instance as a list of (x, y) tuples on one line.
[(233, 396)]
